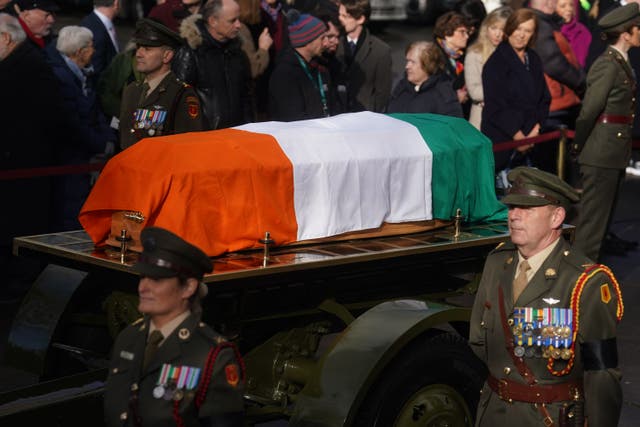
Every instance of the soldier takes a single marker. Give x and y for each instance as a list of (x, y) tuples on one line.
[(169, 368), (162, 104), (604, 128), (548, 337)]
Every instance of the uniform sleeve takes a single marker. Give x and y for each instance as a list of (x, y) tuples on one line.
[(597, 330), (224, 405), (599, 83), (477, 328), (188, 115)]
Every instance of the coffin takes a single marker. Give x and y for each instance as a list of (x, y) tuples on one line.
[(352, 175)]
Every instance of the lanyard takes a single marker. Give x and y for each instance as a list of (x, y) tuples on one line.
[(318, 84)]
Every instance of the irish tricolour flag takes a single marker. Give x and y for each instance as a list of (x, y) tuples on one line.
[(222, 190)]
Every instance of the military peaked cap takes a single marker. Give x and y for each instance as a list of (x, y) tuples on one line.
[(533, 187), (620, 18), (150, 32), (165, 254)]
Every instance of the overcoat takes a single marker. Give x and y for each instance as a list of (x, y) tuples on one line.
[(130, 388), (433, 96), (172, 96), (367, 74), (515, 98), (600, 307)]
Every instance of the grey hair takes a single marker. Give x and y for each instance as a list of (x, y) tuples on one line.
[(72, 38), (10, 25)]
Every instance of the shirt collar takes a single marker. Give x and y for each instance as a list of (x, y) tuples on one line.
[(171, 326), (535, 261), (155, 82)]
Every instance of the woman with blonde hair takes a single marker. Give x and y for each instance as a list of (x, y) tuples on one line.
[(490, 35)]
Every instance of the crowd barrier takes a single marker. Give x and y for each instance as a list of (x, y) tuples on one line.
[(561, 136)]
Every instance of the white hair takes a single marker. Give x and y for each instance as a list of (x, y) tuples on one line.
[(72, 38), (10, 25)]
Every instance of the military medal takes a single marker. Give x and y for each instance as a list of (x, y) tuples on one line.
[(151, 132), (159, 389)]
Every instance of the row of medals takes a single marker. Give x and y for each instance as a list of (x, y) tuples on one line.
[(540, 335), (151, 120), (173, 381)]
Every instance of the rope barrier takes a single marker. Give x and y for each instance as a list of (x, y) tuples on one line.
[(12, 174)]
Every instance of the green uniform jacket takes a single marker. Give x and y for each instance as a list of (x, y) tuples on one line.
[(611, 89), (188, 345), (551, 286), (173, 107)]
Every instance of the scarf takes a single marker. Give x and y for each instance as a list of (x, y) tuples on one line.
[(454, 56)]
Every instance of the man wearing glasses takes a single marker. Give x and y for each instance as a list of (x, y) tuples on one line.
[(36, 18)]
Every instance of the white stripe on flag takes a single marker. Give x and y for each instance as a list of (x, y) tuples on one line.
[(354, 171)]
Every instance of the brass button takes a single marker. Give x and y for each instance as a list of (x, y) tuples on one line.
[(482, 323), (134, 386), (507, 370), (123, 416), (619, 134), (132, 131), (115, 370)]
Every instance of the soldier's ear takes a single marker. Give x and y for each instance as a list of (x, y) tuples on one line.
[(167, 57), (191, 287)]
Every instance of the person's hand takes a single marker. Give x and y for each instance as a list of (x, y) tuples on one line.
[(265, 41), (463, 95)]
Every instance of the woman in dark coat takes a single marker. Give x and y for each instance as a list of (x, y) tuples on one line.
[(516, 98), (424, 88)]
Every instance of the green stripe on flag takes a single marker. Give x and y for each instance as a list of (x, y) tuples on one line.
[(463, 168)]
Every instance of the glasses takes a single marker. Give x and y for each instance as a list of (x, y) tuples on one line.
[(464, 32), (332, 36)]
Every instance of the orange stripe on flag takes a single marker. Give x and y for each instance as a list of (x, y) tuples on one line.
[(221, 190)]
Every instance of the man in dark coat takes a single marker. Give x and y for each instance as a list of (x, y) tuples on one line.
[(215, 65), (604, 128), (366, 59), (299, 87), (88, 133), (170, 369), (161, 104), (30, 118), (544, 318), (105, 40)]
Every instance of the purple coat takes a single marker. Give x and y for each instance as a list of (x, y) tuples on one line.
[(579, 38)]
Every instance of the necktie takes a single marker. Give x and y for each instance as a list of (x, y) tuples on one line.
[(152, 345), (521, 279), (352, 46), (144, 93), (114, 37)]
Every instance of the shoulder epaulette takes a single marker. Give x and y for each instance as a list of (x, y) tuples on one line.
[(504, 246), (137, 321)]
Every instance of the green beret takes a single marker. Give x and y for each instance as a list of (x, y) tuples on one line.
[(533, 187), (150, 32), (165, 254), (620, 18)]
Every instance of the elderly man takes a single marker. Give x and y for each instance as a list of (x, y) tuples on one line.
[(215, 65), (88, 131), (36, 17), (169, 368), (161, 104), (299, 89), (544, 319)]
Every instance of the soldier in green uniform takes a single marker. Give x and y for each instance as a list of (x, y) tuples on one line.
[(161, 104), (544, 318), (604, 128), (169, 368)]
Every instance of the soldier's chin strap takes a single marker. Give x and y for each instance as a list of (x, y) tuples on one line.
[(599, 355)]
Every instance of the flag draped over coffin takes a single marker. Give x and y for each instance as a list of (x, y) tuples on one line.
[(222, 190)]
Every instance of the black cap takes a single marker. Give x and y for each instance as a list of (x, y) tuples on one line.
[(620, 18), (165, 254), (533, 187), (46, 5), (150, 32)]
